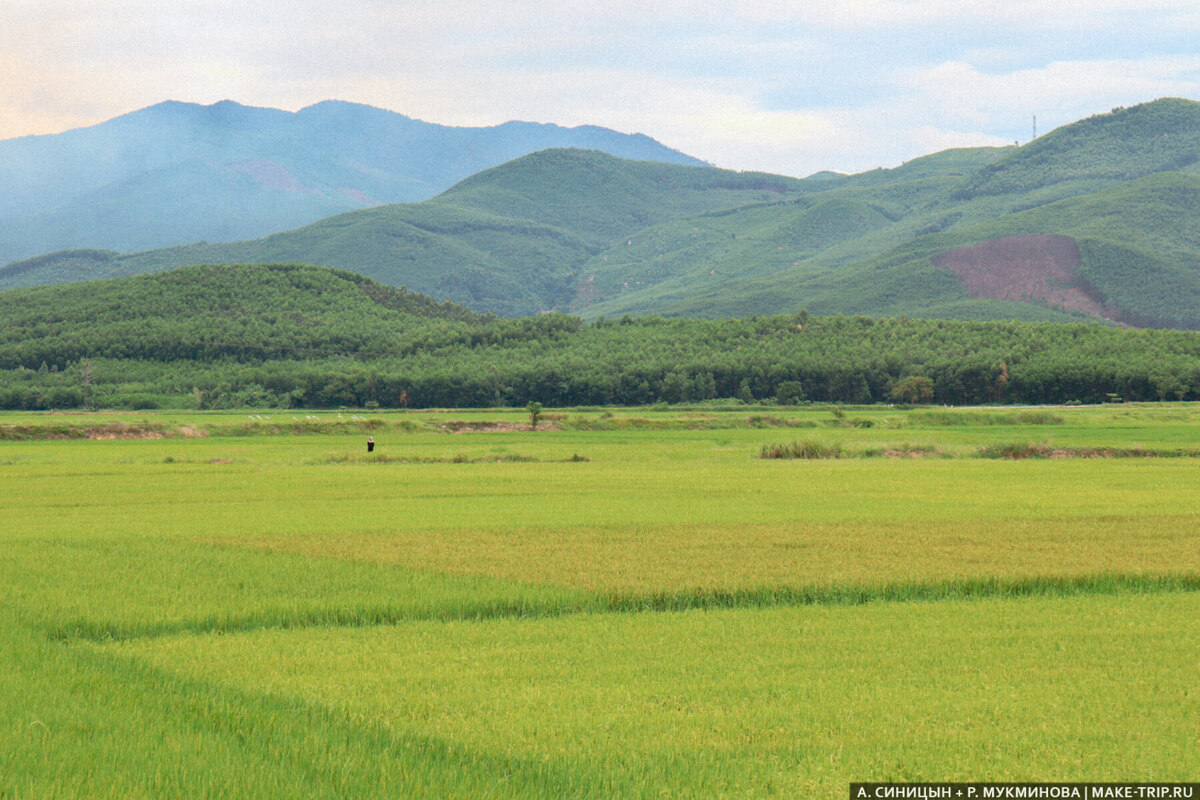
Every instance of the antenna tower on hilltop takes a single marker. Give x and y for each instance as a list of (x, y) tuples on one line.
[(1034, 127)]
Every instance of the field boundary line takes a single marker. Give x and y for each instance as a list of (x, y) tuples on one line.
[(641, 602)]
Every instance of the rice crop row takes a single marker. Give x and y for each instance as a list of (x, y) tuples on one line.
[(777, 702), (818, 449), (269, 612)]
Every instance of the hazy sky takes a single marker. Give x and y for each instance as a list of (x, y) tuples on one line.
[(790, 86)]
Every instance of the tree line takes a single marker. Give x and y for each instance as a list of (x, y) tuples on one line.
[(559, 360)]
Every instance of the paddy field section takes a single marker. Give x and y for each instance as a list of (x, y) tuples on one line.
[(622, 603)]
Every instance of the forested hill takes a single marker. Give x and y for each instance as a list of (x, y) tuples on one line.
[(509, 240), (1117, 194), (309, 337), (211, 312), (176, 173), (1095, 220)]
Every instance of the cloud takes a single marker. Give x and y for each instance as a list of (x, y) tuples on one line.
[(1059, 92), (772, 85)]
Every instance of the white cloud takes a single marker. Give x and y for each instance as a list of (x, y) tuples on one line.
[(1060, 92), (773, 85), (850, 14)]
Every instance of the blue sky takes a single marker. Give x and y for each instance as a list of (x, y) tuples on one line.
[(791, 87)]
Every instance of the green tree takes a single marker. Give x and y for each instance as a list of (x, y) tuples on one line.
[(913, 389), (535, 414), (744, 392), (789, 393)]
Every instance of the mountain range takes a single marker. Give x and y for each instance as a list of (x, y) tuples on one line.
[(179, 172), (1095, 220)]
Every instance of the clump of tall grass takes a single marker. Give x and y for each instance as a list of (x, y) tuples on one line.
[(984, 418), (1015, 450), (314, 426), (771, 421), (1038, 417), (1018, 450), (611, 422), (112, 430), (905, 450), (843, 421), (457, 458), (804, 448)]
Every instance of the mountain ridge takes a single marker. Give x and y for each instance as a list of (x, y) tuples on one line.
[(181, 172), (589, 233)]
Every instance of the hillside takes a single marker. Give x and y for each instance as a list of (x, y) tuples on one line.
[(1122, 186), (1091, 221), (1127, 144), (213, 312), (508, 240), (176, 172), (313, 337)]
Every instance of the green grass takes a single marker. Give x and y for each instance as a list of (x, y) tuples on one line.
[(780, 702), (246, 608)]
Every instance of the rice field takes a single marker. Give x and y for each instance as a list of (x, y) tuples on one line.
[(623, 603)]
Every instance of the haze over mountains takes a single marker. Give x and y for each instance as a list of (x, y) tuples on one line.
[(1096, 220), (176, 173)]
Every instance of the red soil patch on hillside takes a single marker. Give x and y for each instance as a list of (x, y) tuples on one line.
[(273, 176), (1026, 268)]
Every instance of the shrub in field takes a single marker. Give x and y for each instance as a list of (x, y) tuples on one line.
[(1045, 451), (770, 421), (805, 448), (535, 414), (841, 420), (905, 450), (984, 418), (1038, 417), (1015, 450)]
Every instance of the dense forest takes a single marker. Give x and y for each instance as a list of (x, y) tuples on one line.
[(309, 337), (585, 233)]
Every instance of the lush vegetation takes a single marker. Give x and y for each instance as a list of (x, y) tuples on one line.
[(586, 233), (307, 337), (617, 604), (508, 240), (1099, 148)]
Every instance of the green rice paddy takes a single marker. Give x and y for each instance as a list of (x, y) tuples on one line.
[(624, 603)]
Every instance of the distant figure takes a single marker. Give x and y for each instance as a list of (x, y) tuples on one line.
[(370, 444)]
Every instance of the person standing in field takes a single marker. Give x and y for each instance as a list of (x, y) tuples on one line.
[(370, 444)]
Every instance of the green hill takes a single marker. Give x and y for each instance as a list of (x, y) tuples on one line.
[(214, 312), (180, 172), (514, 239), (599, 197), (313, 337), (1131, 217), (508, 240), (1139, 259), (1126, 144), (1093, 220)]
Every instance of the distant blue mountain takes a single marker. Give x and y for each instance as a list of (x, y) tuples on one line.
[(177, 173)]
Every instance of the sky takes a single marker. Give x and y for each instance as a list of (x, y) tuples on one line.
[(785, 86)]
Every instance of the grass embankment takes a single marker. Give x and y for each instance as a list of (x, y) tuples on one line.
[(176, 603)]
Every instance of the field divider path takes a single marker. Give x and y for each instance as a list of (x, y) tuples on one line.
[(636, 602)]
